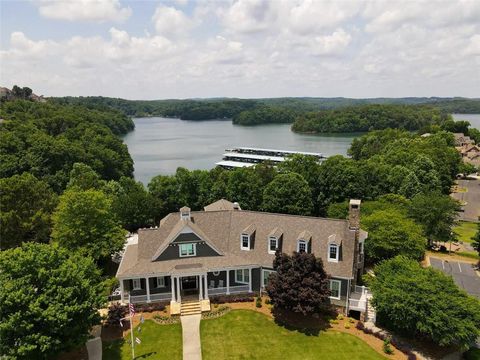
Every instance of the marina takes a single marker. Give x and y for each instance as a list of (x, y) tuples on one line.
[(240, 157)]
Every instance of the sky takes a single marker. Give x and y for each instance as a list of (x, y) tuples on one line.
[(241, 48)]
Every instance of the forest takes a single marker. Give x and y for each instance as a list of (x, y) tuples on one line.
[(258, 111)]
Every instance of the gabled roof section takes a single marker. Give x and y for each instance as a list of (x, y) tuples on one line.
[(304, 235), (220, 205), (276, 233), (249, 230), (178, 231)]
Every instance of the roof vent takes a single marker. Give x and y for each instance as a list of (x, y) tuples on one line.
[(236, 206)]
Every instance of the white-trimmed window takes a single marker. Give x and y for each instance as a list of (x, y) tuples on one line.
[(242, 276), (360, 247), (272, 244), (160, 281), (333, 251), (137, 284), (265, 275), (245, 242), (301, 246), (187, 249), (335, 287)]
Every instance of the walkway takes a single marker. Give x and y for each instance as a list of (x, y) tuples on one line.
[(94, 346), (192, 349)]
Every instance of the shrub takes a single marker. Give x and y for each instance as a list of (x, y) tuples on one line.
[(268, 301), (340, 317), (387, 348), (333, 321), (258, 302), (222, 299), (116, 311), (347, 326), (360, 326), (472, 354), (150, 307), (351, 321)]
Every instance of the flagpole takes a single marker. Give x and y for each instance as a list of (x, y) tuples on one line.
[(131, 327)]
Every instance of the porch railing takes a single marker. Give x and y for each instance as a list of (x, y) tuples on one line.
[(153, 297), (233, 290), (361, 289), (359, 305)]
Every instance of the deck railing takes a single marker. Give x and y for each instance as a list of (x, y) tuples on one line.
[(359, 305), (153, 297), (361, 289)]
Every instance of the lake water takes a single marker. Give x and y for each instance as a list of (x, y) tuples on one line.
[(160, 145)]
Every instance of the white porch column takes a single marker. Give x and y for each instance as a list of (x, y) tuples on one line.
[(205, 285), (200, 287), (250, 280), (179, 297), (172, 284), (122, 295), (148, 288), (228, 281)]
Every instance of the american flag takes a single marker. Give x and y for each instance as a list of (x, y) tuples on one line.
[(132, 309)]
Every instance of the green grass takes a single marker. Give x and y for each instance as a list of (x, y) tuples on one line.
[(472, 354), (465, 231), (243, 334), (158, 342), (468, 254)]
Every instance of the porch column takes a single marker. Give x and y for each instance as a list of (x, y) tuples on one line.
[(250, 280), (121, 291), (172, 283), (200, 287), (179, 297), (147, 280), (205, 285), (228, 282)]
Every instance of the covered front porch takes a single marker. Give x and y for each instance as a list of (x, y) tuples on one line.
[(187, 286)]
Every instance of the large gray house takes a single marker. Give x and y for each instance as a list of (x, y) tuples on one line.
[(226, 250)]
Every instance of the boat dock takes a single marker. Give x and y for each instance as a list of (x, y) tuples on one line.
[(239, 157)]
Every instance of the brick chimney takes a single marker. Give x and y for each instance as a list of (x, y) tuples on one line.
[(354, 214), (185, 213)]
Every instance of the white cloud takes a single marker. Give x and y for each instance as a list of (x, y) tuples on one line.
[(84, 10), (170, 21)]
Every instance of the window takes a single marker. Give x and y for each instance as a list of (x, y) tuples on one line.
[(301, 246), (335, 286), (360, 247), (272, 245), (187, 250), (333, 252), (245, 242), (242, 276), (265, 275), (137, 285), (160, 281)]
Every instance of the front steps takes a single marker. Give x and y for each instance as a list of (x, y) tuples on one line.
[(190, 308), (371, 314)]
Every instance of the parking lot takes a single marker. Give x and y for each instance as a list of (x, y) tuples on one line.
[(463, 274)]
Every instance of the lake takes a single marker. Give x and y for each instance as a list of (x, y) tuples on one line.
[(160, 145)]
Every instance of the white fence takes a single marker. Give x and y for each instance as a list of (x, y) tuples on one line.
[(153, 297), (359, 305)]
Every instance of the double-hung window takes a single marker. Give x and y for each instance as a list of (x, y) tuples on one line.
[(301, 246), (160, 281), (137, 285), (245, 242), (272, 245), (187, 249), (333, 253), (242, 276), (335, 286), (265, 275)]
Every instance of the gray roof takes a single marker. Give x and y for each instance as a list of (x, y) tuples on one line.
[(223, 228)]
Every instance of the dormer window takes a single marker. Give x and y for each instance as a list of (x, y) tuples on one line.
[(186, 250), (333, 252), (245, 242), (301, 246), (272, 244)]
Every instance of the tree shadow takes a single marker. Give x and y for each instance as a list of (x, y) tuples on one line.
[(310, 325), (144, 356)]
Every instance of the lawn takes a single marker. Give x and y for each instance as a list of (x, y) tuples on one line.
[(243, 334), (465, 231), (157, 342)]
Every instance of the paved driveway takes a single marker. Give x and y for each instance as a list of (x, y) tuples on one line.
[(471, 197), (462, 273)]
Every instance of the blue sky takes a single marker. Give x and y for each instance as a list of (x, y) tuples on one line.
[(241, 48)]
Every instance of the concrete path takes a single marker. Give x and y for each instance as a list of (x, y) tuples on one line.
[(192, 349), (94, 346)]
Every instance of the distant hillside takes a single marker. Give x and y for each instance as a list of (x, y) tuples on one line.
[(256, 111)]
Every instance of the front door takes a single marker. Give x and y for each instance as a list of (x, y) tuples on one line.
[(189, 283)]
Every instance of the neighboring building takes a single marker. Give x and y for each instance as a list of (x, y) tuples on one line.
[(470, 154), (462, 140), (226, 250)]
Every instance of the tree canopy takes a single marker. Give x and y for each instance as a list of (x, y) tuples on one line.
[(423, 303), (49, 299), (300, 283), (84, 220)]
